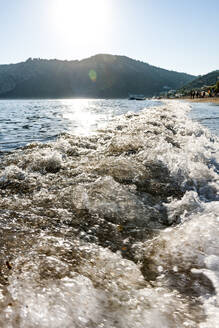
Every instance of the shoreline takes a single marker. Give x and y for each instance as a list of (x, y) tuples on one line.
[(212, 100)]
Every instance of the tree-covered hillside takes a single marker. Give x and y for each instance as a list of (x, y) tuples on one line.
[(209, 79), (100, 76)]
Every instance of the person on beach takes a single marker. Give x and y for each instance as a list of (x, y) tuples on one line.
[(192, 94)]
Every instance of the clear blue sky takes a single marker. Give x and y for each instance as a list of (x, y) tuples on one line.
[(179, 35)]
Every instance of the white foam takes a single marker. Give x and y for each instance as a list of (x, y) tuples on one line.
[(118, 189)]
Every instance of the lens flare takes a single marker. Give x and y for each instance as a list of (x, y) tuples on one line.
[(92, 75)]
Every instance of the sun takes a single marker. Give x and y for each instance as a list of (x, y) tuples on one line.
[(80, 20)]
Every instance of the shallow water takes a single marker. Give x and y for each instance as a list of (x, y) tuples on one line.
[(207, 114), (117, 229)]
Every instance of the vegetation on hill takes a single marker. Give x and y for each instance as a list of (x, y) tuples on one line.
[(207, 80), (217, 87), (100, 76)]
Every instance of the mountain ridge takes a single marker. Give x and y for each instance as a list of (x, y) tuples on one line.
[(99, 76), (208, 79)]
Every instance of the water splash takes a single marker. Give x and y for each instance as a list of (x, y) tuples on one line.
[(117, 229)]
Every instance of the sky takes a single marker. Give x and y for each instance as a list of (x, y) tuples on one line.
[(172, 34)]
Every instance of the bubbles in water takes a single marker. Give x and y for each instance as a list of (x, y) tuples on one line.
[(118, 229)]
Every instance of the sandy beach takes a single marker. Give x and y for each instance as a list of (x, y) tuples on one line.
[(214, 100)]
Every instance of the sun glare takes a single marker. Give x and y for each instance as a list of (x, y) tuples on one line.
[(82, 20)]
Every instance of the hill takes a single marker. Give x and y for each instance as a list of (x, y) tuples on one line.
[(100, 76), (209, 79)]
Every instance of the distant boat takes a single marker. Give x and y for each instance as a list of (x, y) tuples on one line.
[(136, 97)]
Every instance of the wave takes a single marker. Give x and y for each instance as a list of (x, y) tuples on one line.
[(118, 229)]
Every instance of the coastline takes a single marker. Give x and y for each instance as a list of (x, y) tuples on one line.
[(213, 100)]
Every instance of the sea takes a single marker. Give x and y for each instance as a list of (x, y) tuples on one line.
[(109, 214)]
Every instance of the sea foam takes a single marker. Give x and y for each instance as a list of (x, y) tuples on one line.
[(117, 229)]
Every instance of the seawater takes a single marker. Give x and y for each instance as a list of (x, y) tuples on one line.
[(207, 114), (25, 121), (113, 229)]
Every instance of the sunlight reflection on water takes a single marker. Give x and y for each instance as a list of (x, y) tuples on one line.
[(25, 121)]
